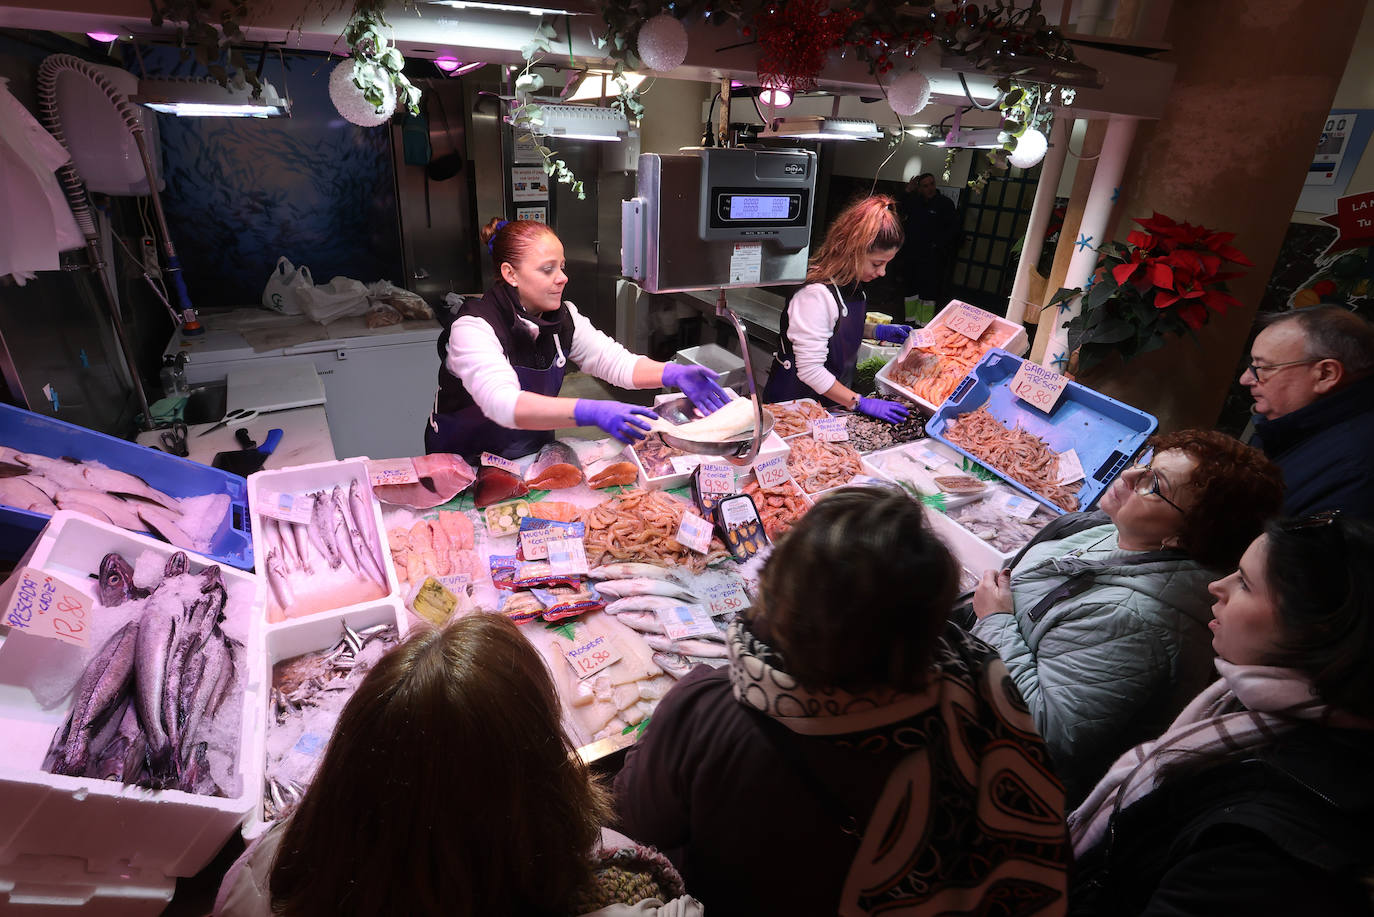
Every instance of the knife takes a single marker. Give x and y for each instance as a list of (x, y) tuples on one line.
[(245, 461)]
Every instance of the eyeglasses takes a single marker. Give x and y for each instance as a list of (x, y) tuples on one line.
[(1148, 485), (1255, 370)]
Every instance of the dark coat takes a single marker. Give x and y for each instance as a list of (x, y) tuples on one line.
[(1284, 831), (1326, 452)]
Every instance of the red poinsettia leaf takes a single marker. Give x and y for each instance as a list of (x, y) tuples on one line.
[(1225, 275), (1122, 272), (1195, 316), (1234, 254), (1160, 274), (1220, 301), (1182, 259), (1139, 239), (1216, 239), (1158, 224), (1164, 299)]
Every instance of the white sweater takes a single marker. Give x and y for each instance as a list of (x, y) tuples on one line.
[(476, 358), (811, 315)]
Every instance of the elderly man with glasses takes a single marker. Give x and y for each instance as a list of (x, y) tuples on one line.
[(1311, 373)]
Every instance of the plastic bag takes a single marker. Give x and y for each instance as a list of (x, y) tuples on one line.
[(341, 297), (276, 296), (381, 315), (410, 305)]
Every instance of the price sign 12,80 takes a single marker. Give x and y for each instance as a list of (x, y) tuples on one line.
[(39, 603)]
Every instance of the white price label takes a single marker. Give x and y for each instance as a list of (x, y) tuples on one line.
[(40, 604), (746, 262), (534, 543), (695, 533), (683, 621), (716, 478), (772, 472), (1037, 386), (726, 598), (287, 507), (684, 464), (498, 461), (591, 653), (1070, 468), (391, 471), (829, 430), (970, 321), (567, 556), (1014, 505), (923, 338)]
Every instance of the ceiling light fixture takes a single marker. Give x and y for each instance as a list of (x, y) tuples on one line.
[(507, 7), (987, 138), (818, 128), (601, 84), (775, 96), (192, 98), (103, 37), (454, 67), (581, 122)]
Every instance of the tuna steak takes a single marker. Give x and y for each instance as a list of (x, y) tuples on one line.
[(495, 485)]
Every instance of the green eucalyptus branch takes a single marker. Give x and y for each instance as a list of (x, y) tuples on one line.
[(377, 62), (527, 117)]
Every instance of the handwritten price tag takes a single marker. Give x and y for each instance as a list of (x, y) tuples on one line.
[(287, 507), (695, 533), (970, 321), (498, 461), (1070, 468), (391, 471), (685, 621), (590, 654), (772, 472), (829, 430), (567, 556), (726, 598), (1037, 386), (39, 603), (923, 338), (717, 478)]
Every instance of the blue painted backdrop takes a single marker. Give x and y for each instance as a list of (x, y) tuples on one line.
[(242, 191)]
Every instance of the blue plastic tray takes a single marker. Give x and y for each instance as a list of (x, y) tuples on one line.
[(178, 477), (1105, 433)]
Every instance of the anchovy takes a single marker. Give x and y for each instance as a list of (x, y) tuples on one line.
[(338, 518), (301, 536), (276, 578)]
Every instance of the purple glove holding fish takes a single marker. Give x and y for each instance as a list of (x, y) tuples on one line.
[(626, 422), (698, 383), (890, 411), (891, 334)]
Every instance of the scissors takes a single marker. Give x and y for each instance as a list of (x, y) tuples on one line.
[(238, 417), (174, 440)]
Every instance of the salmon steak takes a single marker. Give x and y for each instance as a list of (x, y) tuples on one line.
[(555, 468)]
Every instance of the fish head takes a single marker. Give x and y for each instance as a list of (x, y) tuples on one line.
[(177, 564), (116, 580)]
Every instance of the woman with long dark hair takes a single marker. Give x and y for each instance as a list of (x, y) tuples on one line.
[(448, 788), (1257, 799), (825, 321), (505, 356)]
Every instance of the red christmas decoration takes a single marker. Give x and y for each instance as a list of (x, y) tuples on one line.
[(795, 39)]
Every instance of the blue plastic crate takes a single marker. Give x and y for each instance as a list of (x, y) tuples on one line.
[(178, 477), (1105, 433)]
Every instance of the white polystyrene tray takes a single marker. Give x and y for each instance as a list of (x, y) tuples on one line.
[(42, 885), (291, 638), (772, 445), (301, 478), (1012, 337), (111, 827), (793, 404)]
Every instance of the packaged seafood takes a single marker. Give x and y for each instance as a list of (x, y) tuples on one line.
[(504, 518), (929, 374), (44, 460), (163, 833), (793, 418), (330, 553), (819, 466), (739, 525), (1103, 434)]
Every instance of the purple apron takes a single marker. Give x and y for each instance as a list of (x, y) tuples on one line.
[(841, 357)]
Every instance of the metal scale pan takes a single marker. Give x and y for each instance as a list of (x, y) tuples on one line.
[(679, 410)]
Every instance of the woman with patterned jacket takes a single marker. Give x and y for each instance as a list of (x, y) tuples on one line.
[(858, 754)]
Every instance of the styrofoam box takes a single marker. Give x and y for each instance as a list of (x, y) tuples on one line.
[(318, 476), (1010, 337), (42, 885), (112, 828), (793, 404), (772, 445), (291, 638)]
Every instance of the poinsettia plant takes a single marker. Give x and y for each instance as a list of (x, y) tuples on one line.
[(1167, 278)]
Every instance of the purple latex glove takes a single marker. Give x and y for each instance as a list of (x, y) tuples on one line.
[(698, 383), (890, 411), (891, 334), (626, 422)]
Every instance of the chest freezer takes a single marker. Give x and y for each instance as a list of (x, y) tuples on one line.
[(378, 383)]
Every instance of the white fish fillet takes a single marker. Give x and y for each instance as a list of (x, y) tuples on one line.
[(727, 422)]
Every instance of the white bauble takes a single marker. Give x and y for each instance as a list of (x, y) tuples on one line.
[(349, 101), (662, 43), (1030, 149), (909, 93)]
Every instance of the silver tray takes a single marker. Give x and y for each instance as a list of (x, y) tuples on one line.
[(678, 411)]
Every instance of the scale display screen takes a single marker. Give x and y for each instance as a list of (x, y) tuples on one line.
[(760, 206)]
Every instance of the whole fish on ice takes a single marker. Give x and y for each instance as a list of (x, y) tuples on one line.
[(620, 588), (630, 571)]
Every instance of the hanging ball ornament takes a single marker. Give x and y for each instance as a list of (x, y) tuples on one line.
[(1030, 149), (662, 43), (349, 101), (909, 93)]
